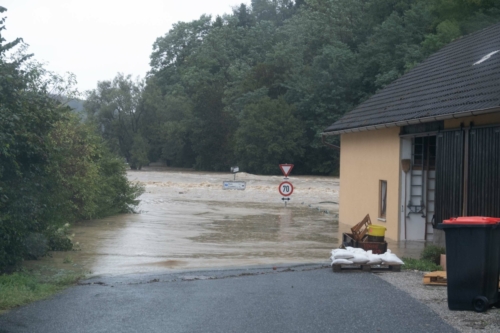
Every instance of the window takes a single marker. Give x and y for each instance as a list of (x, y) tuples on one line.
[(383, 198), (424, 153)]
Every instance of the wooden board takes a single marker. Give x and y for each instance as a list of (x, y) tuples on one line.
[(437, 278), (366, 268), (360, 229)]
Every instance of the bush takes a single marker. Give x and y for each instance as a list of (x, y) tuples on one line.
[(60, 243), (116, 195), (36, 245), (432, 253), (54, 169), (58, 239), (420, 265)]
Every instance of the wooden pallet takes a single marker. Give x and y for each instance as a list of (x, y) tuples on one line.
[(437, 278), (366, 268), (359, 230)]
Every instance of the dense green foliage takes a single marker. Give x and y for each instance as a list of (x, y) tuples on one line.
[(53, 168), (429, 261), (433, 253), (114, 106), (257, 87)]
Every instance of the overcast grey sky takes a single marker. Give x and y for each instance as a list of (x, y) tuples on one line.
[(95, 39)]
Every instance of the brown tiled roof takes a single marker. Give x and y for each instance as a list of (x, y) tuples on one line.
[(449, 82)]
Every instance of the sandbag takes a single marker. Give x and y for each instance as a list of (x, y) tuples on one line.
[(374, 259), (341, 261), (336, 250), (390, 258), (342, 254), (359, 259), (355, 250)]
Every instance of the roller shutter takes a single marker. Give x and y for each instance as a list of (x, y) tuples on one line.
[(449, 174), (483, 185)]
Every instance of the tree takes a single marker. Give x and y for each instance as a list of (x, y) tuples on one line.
[(139, 153), (167, 124), (114, 107), (320, 57), (53, 168), (269, 134), (244, 15), (27, 115), (172, 50)]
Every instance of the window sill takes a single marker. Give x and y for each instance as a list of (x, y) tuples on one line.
[(381, 219)]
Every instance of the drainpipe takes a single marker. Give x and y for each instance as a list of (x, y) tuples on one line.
[(466, 170), (323, 140), (406, 166)]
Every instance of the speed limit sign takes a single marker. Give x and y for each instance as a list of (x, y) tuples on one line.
[(286, 189)]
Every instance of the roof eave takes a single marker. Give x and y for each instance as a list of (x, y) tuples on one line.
[(414, 121)]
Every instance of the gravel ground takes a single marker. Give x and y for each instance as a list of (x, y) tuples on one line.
[(435, 297)]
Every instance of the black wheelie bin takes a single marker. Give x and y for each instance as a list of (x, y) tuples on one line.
[(472, 262)]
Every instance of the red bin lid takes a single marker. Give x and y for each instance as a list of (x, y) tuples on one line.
[(473, 220)]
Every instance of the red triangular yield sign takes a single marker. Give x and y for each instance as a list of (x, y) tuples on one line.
[(286, 169)]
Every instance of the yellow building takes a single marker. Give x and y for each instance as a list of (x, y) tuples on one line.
[(426, 147)]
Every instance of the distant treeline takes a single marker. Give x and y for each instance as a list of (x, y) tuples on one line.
[(54, 169), (256, 87)]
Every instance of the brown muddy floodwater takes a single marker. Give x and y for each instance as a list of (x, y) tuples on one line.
[(187, 221)]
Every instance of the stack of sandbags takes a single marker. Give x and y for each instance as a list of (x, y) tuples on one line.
[(390, 258), (356, 256)]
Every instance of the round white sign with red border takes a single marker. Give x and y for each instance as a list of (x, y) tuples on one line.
[(286, 189)]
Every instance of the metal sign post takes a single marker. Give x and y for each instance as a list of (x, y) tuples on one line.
[(286, 188), (234, 170), (233, 184)]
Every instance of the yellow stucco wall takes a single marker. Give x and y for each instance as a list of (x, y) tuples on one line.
[(486, 119), (366, 158), (371, 156)]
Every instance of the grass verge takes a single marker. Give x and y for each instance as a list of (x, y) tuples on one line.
[(24, 287), (420, 265)]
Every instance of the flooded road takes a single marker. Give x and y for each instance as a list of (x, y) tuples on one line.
[(187, 221)]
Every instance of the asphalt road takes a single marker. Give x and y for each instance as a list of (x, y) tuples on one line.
[(297, 299)]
